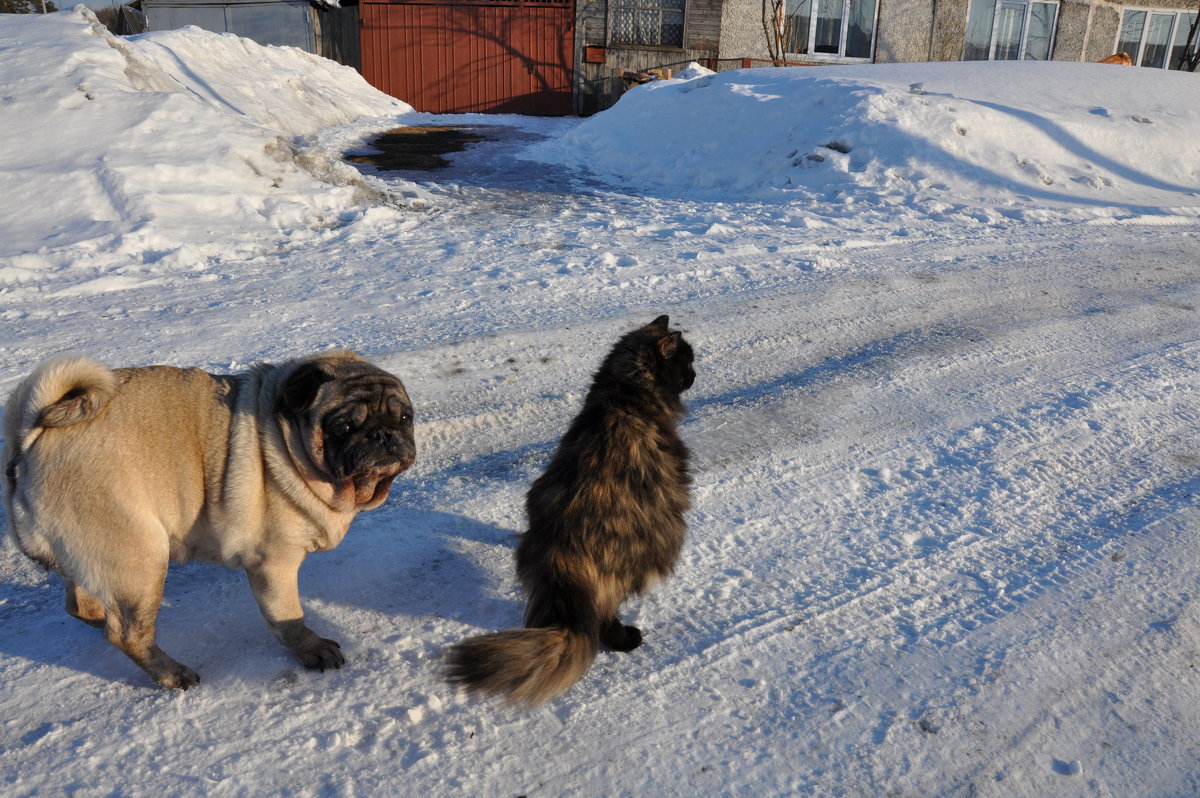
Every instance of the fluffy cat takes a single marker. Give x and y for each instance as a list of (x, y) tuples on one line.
[(605, 522)]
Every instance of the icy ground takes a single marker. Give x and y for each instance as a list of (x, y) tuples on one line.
[(946, 467)]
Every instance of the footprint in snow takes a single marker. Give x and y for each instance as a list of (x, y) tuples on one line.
[(1072, 768), (1035, 169)]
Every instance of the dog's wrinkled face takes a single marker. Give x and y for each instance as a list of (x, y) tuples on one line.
[(356, 422)]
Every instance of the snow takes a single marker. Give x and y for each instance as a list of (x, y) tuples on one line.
[(952, 138), (946, 468), (122, 145)]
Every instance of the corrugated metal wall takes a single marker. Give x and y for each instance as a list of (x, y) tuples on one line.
[(337, 33), (279, 22), (472, 57)]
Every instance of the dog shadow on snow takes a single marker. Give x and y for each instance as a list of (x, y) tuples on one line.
[(399, 570), (421, 565)]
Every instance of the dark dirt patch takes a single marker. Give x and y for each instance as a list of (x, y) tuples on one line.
[(416, 148)]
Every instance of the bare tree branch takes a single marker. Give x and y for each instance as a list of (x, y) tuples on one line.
[(776, 25), (1189, 57)]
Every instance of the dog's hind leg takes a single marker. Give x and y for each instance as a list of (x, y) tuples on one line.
[(129, 624), (83, 605), (130, 627)]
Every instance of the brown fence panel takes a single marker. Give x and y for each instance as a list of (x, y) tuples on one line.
[(472, 57)]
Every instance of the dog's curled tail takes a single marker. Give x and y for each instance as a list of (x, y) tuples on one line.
[(527, 666), (58, 393)]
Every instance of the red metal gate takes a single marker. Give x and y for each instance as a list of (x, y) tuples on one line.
[(471, 56)]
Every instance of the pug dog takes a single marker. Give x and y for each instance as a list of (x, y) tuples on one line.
[(110, 474)]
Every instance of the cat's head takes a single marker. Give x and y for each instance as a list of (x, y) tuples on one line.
[(673, 356)]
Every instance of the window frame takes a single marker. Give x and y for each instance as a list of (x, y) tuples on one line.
[(1180, 15), (840, 56), (1023, 48), (635, 5)]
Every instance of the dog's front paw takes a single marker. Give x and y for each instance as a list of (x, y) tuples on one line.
[(312, 650), (321, 654)]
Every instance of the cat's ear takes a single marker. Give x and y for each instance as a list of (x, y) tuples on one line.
[(668, 345), (661, 321)]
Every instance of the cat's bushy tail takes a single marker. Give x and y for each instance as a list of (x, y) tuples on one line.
[(526, 666), (532, 665)]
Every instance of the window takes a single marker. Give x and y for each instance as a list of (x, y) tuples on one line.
[(1010, 30), (650, 22), (829, 29), (1155, 38)]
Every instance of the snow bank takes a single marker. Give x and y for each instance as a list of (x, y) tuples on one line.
[(1090, 137), (165, 150)]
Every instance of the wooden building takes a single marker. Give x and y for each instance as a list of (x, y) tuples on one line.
[(620, 36)]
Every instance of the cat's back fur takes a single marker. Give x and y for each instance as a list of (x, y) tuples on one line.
[(606, 520), (617, 486)]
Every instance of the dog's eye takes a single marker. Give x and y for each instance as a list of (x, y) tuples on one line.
[(406, 418), (340, 429)]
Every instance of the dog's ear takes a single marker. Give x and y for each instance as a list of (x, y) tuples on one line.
[(668, 345), (302, 386), (662, 321)]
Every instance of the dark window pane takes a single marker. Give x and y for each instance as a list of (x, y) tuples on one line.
[(829, 26), (795, 26), (1130, 38), (1181, 33), (653, 22), (861, 28), (622, 26), (978, 44), (672, 28), (1041, 28), (1008, 31), (1158, 37)]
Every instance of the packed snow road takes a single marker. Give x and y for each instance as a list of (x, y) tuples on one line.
[(940, 545)]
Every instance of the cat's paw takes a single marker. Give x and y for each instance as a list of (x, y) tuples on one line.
[(619, 637)]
